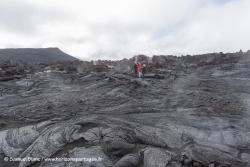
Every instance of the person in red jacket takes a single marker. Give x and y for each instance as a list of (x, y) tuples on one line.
[(139, 68)]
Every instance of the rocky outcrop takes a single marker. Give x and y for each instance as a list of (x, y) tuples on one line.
[(176, 117), (159, 63)]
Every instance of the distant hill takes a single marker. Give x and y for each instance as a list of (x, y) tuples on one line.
[(34, 55)]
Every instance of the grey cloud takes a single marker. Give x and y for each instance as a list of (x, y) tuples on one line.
[(21, 46), (102, 55), (223, 1), (76, 40), (119, 28), (81, 40), (24, 18)]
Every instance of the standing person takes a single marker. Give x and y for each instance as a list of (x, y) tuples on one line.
[(135, 68), (139, 68), (144, 69)]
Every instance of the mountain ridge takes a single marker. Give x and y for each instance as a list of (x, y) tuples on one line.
[(34, 55)]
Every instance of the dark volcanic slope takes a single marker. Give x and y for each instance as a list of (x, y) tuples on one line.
[(43, 55)]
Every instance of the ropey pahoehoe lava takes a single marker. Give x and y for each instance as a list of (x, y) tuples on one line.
[(188, 111)]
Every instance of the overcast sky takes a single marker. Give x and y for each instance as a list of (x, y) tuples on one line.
[(117, 29)]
